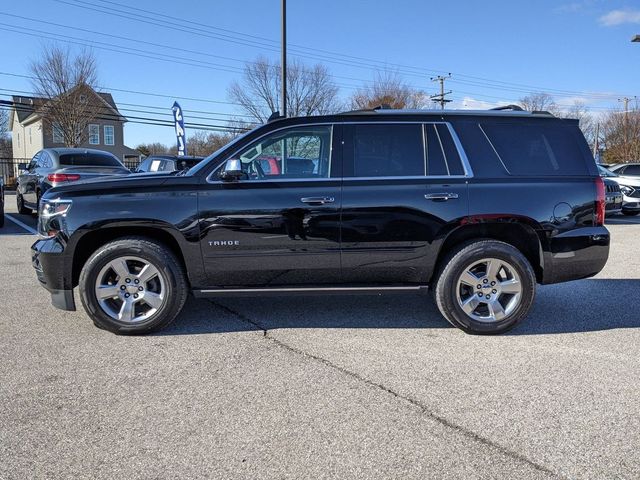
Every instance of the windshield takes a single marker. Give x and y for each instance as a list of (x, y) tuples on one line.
[(605, 172), (207, 160)]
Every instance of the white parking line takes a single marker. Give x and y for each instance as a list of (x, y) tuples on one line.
[(20, 224)]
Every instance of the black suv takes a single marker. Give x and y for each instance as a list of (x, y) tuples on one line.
[(477, 207)]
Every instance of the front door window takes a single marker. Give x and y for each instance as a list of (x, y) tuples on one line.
[(297, 153)]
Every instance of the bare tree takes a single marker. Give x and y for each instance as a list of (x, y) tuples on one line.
[(587, 123), (621, 135), (389, 89), (65, 83), (155, 148), (542, 102), (5, 141), (309, 90)]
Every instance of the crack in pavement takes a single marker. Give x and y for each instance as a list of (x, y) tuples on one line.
[(412, 401)]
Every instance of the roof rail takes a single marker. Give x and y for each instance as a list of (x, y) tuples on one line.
[(516, 108)]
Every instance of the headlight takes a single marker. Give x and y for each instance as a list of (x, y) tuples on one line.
[(51, 218), (626, 190)]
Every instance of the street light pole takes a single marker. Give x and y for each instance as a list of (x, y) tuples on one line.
[(283, 61)]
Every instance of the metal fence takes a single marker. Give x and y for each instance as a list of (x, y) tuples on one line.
[(10, 171)]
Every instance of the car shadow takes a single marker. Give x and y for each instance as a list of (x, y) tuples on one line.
[(575, 307)]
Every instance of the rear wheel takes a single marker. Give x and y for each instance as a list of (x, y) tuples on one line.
[(133, 286), (485, 287), (20, 205)]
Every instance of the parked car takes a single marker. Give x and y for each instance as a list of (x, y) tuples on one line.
[(613, 195), (477, 207), (629, 188), (1, 201), (626, 169), (52, 167), (167, 163)]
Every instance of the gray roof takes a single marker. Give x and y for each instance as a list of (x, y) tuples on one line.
[(26, 106)]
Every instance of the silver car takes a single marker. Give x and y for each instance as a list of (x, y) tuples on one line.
[(629, 187), (55, 166)]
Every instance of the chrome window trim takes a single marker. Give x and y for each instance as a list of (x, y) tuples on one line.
[(288, 127), (424, 147), (461, 152), (444, 155), (468, 172), (408, 177)]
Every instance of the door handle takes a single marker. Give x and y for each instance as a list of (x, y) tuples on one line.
[(318, 200), (441, 196)]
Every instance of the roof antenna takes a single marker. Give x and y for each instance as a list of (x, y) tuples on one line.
[(274, 116)]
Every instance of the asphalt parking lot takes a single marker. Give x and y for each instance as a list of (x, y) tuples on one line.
[(353, 387)]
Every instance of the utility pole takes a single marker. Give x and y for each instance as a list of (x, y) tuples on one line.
[(283, 61), (596, 141), (625, 101), (441, 97)]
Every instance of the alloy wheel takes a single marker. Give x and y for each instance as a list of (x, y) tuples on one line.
[(489, 290), (130, 289)]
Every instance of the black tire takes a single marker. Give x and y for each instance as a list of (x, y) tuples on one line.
[(20, 205), (458, 261), (175, 286), (629, 213)]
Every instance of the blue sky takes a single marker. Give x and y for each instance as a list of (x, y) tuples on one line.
[(497, 51)]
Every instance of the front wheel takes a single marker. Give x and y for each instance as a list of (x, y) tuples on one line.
[(485, 287), (133, 285)]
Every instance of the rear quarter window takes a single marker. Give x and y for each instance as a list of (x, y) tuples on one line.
[(527, 149)]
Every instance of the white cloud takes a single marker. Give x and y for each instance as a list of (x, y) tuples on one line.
[(618, 17), (470, 103)]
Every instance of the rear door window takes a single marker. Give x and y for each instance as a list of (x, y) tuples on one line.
[(442, 155), (528, 149), (384, 150)]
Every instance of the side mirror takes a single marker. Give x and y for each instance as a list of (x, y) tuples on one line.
[(22, 167), (232, 170)]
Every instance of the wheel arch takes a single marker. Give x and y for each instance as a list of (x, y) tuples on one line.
[(519, 233), (92, 240)]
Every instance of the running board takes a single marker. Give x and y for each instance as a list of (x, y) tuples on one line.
[(286, 291)]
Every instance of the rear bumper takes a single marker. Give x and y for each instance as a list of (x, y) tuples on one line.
[(576, 254), (53, 271)]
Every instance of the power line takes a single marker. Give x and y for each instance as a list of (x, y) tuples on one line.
[(268, 44)]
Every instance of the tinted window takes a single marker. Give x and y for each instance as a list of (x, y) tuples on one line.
[(83, 159), (144, 166), (302, 152), (451, 152), (536, 149), (436, 163), (385, 150), (442, 154), (632, 170), (45, 160)]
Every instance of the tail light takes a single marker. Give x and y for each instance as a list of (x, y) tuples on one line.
[(63, 177), (600, 202)]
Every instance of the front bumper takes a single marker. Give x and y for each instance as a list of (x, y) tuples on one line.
[(54, 270), (630, 204), (576, 254)]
